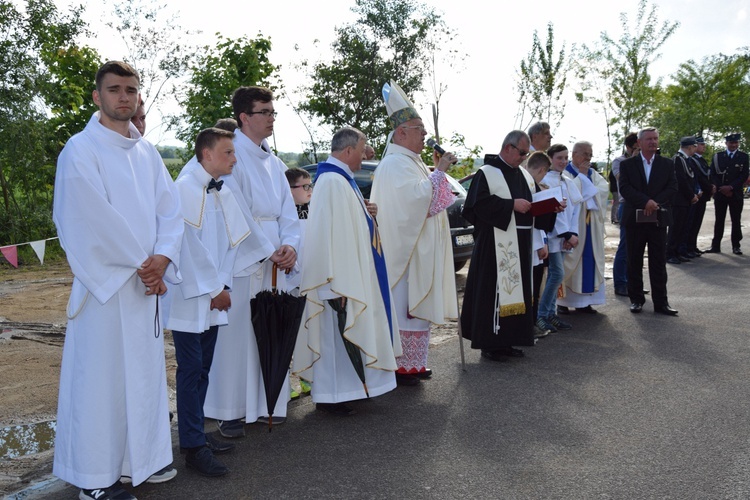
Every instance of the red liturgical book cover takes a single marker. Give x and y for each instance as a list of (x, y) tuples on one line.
[(546, 201)]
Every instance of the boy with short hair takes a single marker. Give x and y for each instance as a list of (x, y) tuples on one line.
[(214, 228)]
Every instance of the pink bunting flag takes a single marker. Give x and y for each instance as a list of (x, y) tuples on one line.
[(10, 253)]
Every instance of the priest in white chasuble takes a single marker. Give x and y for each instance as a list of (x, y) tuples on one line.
[(344, 277)]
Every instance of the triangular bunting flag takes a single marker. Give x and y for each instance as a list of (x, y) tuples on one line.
[(10, 253), (38, 247)]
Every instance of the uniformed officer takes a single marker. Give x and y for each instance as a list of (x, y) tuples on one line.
[(704, 190), (681, 203), (729, 171)]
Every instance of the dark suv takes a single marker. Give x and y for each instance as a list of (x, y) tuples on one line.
[(461, 231)]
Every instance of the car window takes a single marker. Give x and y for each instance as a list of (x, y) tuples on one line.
[(455, 186)]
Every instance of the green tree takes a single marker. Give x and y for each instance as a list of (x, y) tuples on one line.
[(43, 100), (614, 73), (705, 98), (541, 82), (389, 40), (156, 46), (218, 70)]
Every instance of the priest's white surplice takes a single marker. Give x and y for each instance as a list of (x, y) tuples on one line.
[(115, 205)]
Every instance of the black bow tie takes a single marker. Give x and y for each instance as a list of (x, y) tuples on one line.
[(214, 185)]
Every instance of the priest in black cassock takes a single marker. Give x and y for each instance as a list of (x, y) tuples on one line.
[(497, 309)]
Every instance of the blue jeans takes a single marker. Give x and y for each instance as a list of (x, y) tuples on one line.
[(620, 264), (555, 275), (194, 353)]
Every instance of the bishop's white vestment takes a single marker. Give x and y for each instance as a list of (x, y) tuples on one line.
[(417, 243)]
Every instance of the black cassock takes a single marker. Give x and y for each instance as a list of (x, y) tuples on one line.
[(487, 211)]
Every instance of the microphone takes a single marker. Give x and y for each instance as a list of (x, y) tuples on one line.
[(434, 145)]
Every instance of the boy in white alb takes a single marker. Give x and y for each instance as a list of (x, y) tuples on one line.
[(215, 225)]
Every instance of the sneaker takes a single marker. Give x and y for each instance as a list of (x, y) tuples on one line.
[(544, 324), (293, 394), (305, 386), (204, 462), (114, 492), (555, 321), (539, 333), (231, 428), (275, 420), (164, 475), (161, 476)]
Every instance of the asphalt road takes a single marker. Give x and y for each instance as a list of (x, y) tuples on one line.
[(622, 406)]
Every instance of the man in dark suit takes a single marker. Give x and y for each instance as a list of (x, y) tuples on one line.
[(729, 171), (647, 182)]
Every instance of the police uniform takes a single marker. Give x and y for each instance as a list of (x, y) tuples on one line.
[(704, 188), (729, 169)]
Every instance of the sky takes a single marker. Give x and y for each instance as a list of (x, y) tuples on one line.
[(480, 101)]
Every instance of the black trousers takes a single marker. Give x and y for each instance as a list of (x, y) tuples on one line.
[(695, 221), (640, 235), (677, 235), (735, 213)]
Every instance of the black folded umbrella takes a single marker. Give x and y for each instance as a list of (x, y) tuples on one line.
[(276, 317), (354, 353)]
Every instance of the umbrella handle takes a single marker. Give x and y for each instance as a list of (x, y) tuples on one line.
[(273, 277)]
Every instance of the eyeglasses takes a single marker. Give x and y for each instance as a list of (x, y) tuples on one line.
[(306, 187), (420, 127), (521, 152), (267, 113)]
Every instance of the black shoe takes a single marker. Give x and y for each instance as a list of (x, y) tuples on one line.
[(217, 446), (697, 252), (427, 373), (621, 291), (511, 352), (712, 250), (665, 309), (692, 255), (586, 310), (336, 409), (204, 463), (635, 307), (494, 355), (674, 260), (563, 310), (684, 258), (114, 492), (406, 379), (736, 251)]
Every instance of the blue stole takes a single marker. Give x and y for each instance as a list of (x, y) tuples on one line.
[(377, 248), (588, 269)]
